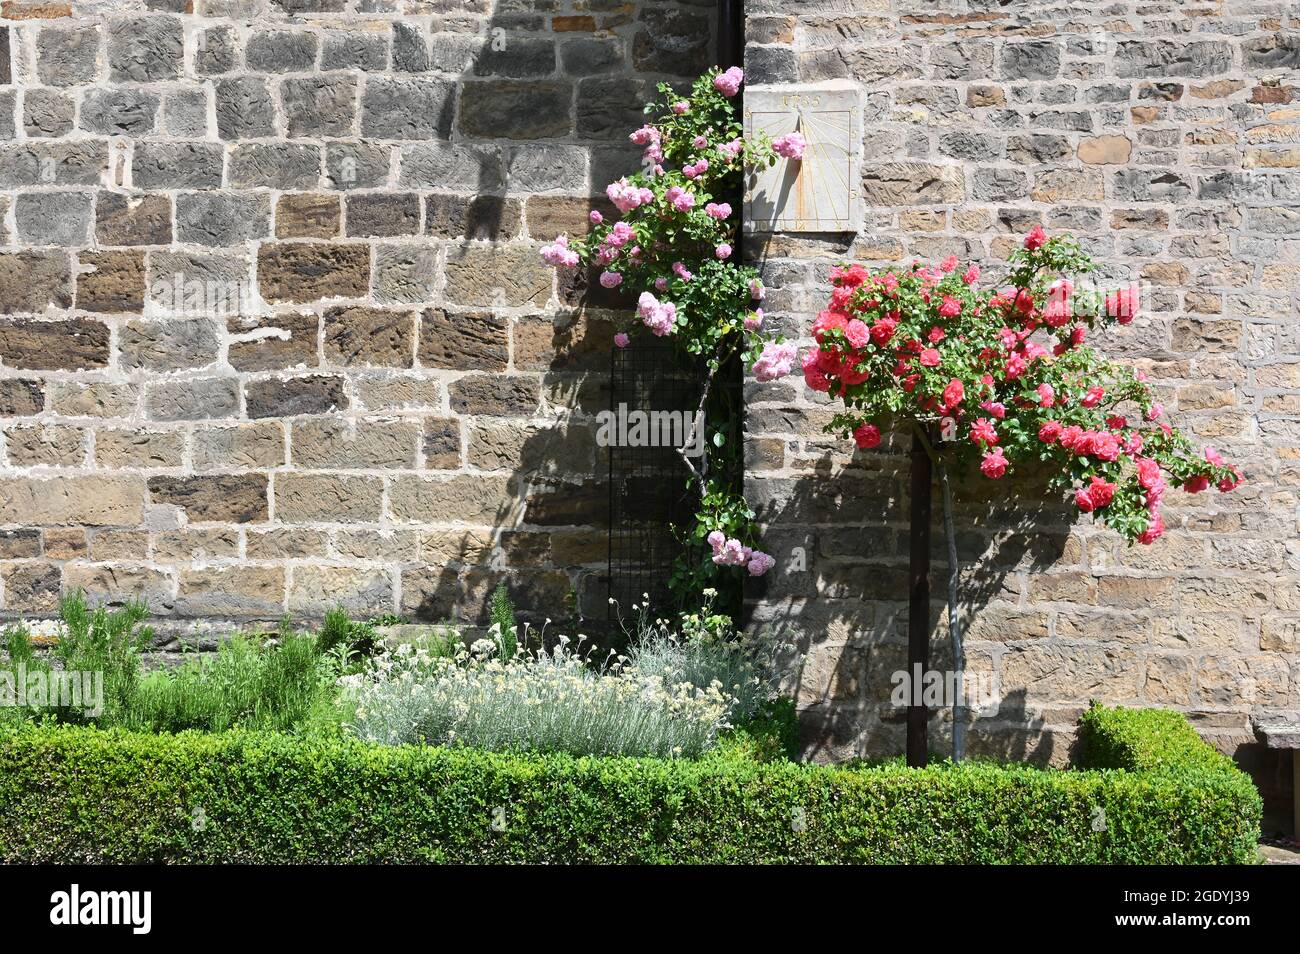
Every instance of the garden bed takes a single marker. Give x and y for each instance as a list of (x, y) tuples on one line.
[(1147, 790)]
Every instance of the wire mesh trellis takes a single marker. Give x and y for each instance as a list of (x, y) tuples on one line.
[(649, 490)]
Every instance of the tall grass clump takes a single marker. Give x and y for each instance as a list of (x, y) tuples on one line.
[(544, 701), (94, 642), (277, 687)]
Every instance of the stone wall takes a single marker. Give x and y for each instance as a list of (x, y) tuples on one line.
[(1164, 135), (274, 333)]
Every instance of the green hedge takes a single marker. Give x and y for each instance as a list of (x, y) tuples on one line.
[(79, 794), (1146, 740)]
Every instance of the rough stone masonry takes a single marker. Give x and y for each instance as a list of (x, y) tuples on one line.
[(274, 334), (1167, 136)]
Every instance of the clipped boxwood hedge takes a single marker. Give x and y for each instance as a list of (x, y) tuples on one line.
[(78, 794)]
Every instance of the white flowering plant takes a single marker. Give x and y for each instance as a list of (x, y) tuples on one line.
[(540, 701)]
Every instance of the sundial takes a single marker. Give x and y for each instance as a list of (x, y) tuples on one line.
[(820, 192)]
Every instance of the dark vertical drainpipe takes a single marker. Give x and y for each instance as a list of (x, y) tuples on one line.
[(731, 33), (918, 605)]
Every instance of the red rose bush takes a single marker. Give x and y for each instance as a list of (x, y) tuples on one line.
[(1006, 373)]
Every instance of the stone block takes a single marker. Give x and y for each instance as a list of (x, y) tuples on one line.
[(327, 498), (289, 397), (224, 498), (306, 272), (364, 336)]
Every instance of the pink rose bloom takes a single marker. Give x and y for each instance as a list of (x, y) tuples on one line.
[(716, 539), (645, 136), (1123, 304), (723, 251), (661, 284), (882, 331), (1094, 396), (1155, 528), (620, 235), (1232, 482), (681, 106), (732, 553), (857, 332), (929, 358), (866, 436), (1034, 351), (595, 217), (760, 563), (1148, 472), (1156, 411), (1046, 395), (1194, 485), (953, 394), (1100, 492), (610, 279), (682, 272), (1049, 432), (622, 340), (680, 199), (813, 375), (949, 264), (718, 210), (754, 320), (993, 464), (774, 362), (790, 146), (1056, 313), (983, 432), (728, 83), (624, 195), (1213, 456), (971, 275), (996, 408), (950, 307), (559, 254), (730, 150), (1035, 239), (756, 290), (659, 317), (1105, 446), (699, 142)]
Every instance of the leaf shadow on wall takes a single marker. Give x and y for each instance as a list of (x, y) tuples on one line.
[(526, 91), (837, 605)]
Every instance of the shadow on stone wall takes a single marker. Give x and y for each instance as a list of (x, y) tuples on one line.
[(836, 604), (535, 99)]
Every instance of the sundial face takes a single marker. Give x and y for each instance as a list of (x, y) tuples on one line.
[(820, 192)]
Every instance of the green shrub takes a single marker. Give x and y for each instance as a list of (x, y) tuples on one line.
[(340, 633), (1145, 740), (96, 643), (277, 687), (771, 734), (83, 795)]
